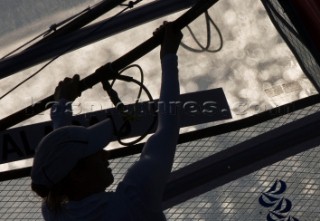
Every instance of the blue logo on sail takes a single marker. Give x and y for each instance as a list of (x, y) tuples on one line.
[(273, 199)]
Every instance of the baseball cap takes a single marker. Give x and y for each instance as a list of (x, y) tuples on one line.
[(58, 152)]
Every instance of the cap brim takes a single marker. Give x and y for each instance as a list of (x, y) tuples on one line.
[(100, 135)]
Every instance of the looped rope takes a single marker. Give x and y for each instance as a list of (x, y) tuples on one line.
[(205, 48), (125, 129), (127, 116)]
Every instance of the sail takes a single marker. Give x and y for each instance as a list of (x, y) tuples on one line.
[(251, 50)]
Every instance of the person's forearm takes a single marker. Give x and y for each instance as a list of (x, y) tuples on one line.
[(170, 79), (169, 93), (162, 145), (61, 113), (168, 118)]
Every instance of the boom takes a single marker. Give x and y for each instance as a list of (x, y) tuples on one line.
[(103, 72)]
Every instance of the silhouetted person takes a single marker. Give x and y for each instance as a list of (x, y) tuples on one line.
[(70, 170)]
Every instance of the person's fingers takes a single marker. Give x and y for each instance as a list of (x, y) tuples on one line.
[(160, 28), (76, 78), (157, 31), (76, 81)]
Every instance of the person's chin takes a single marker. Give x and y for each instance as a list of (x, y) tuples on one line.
[(110, 179)]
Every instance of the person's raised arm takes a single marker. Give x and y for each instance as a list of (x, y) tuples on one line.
[(151, 172), (65, 93)]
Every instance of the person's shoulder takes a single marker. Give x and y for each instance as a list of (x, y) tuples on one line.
[(136, 207)]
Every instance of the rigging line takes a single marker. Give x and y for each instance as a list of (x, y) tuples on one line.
[(24, 45), (71, 18), (131, 79), (53, 27), (73, 45), (141, 78), (79, 21), (28, 78), (142, 87), (129, 6), (209, 37), (195, 38), (127, 116)]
